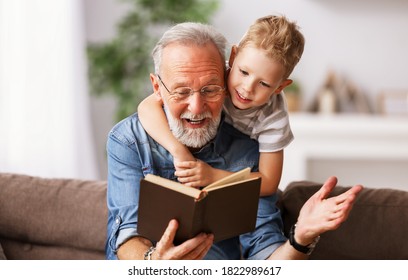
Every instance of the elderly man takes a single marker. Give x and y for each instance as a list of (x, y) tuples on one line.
[(191, 57)]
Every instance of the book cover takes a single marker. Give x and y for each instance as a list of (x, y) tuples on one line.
[(225, 208)]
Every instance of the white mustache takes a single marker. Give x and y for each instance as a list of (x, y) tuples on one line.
[(194, 117)]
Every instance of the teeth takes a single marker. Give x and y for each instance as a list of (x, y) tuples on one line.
[(243, 97), (195, 121)]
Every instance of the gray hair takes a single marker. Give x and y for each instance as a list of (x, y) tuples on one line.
[(189, 33)]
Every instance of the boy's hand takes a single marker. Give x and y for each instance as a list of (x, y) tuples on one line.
[(181, 156), (194, 173)]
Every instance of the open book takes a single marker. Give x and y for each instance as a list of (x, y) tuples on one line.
[(225, 208)]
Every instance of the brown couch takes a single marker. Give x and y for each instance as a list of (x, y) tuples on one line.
[(52, 218), (44, 218)]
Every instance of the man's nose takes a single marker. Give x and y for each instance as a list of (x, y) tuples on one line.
[(196, 103)]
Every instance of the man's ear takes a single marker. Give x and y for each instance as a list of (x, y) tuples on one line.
[(156, 85), (284, 84), (233, 54)]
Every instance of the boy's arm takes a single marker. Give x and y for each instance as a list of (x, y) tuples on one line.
[(270, 169), (198, 173), (152, 116)]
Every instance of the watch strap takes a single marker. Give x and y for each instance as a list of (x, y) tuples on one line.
[(308, 249)]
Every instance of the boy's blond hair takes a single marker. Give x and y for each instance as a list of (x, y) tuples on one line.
[(280, 38)]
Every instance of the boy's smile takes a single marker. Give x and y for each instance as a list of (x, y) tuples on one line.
[(254, 77)]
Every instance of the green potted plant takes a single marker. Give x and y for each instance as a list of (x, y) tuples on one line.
[(121, 66), (293, 96)]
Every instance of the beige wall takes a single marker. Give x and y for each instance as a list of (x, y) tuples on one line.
[(364, 41)]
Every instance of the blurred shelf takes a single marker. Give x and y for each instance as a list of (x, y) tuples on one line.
[(369, 149)]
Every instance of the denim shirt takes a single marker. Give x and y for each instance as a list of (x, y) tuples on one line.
[(132, 154)]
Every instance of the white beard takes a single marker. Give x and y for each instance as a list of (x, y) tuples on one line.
[(193, 137)]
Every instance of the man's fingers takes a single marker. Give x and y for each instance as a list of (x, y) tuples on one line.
[(330, 184), (168, 236), (355, 190), (327, 187), (350, 195), (345, 203), (196, 252), (192, 248), (205, 249)]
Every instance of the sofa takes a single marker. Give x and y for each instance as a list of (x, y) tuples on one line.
[(46, 218)]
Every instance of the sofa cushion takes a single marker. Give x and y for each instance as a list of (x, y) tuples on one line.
[(64, 213), (377, 226), (20, 250)]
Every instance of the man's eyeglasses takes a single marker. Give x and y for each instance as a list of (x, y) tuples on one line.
[(210, 93)]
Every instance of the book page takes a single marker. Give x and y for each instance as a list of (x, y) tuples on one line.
[(167, 183), (216, 187), (235, 177)]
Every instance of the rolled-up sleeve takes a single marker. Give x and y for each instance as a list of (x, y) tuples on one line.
[(124, 175)]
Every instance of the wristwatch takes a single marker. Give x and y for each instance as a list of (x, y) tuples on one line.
[(308, 249)]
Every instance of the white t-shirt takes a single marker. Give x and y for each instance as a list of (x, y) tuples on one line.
[(268, 124)]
